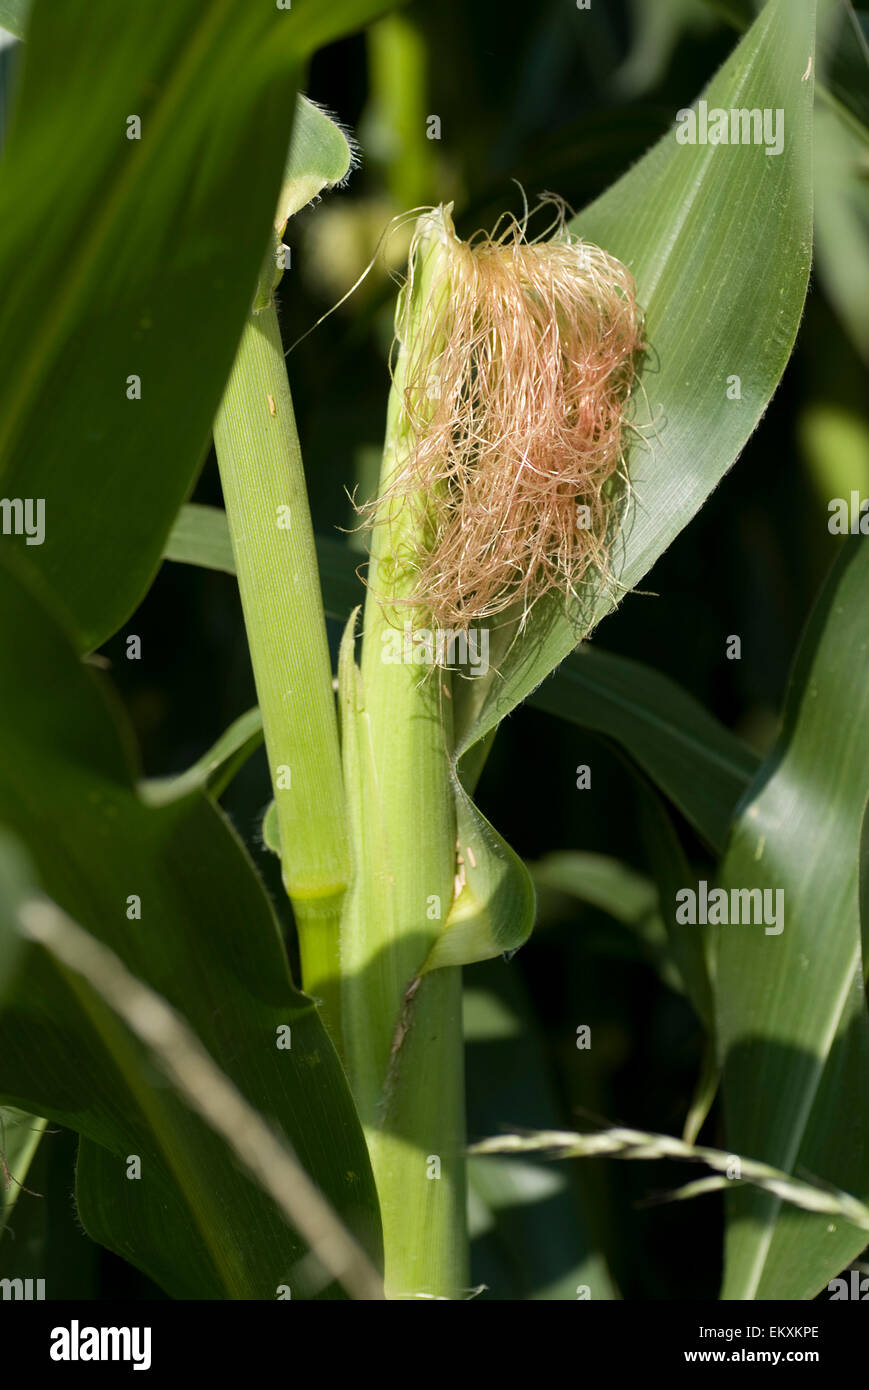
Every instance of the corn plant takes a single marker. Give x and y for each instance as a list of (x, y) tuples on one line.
[(269, 1095)]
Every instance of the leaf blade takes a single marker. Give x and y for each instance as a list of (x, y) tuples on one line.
[(720, 253), (793, 1032), (153, 264), (193, 1223)]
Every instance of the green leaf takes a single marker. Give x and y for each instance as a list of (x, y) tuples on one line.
[(700, 765), (605, 883), (718, 238), (20, 1133), (494, 911), (271, 831), (207, 941), (200, 536), (793, 1031), (214, 771), (320, 157), (13, 16), (180, 1058), (126, 258), (864, 890)]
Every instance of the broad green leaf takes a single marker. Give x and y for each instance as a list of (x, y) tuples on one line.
[(200, 536), (493, 911), (793, 1031), (864, 890), (320, 153), (20, 1133), (178, 1056), (129, 258), (214, 771), (13, 16), (718, 238), (700, 765), (207, 941)]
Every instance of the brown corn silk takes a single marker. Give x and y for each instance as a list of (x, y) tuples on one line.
[(517, 372)]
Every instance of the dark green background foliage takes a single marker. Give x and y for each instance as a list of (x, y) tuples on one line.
[(526, 93)]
